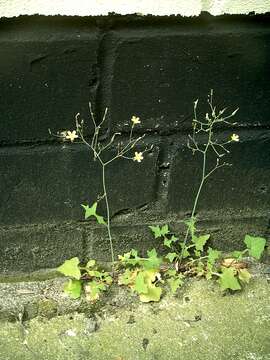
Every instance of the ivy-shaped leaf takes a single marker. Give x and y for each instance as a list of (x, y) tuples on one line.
[(175, 283), (200, 241), (159, 231), (140, 285), (91, 263), (255, 245), (71, 268), (168, 242), (153, 262), (185, 252), (73, 288), (228, 279), (127, 277), (92, 211), (213, 255), (171, 256), (191, 224), (153, 292)]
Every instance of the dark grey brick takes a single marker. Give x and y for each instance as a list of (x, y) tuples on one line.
[(46, 184), (48, 73), (31, 248), (243, 186), (158, 72)]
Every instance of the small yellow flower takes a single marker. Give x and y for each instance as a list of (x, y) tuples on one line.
[(135, 120), (71, 135), (138, 156), (235, 137)]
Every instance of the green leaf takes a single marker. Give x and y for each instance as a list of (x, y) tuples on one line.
[(200, 268), (127, 260), (167, 242), (255, 245), (91, 263), (238, 255), (91, 211), (228, 280), (171, 272), (94, 273), (153, 262), (140, 285), (126, 278), (108, 279), (213, 255), (200, 241), (92, 290), (134, 253), (197, 253), (191, 225), (73, 288), (159, 232), (171, 256), (185, 252), (153, 292), (71, 268), (175, 283), (244, 275), (100, 220)]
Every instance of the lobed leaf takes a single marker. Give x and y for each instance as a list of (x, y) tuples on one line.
[(73, 288), (228, 279), (159, 231), (200, 241), (255, 245), (71, 268)]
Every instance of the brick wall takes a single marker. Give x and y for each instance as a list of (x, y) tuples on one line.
[(51, 67)]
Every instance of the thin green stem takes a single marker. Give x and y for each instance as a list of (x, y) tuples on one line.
[(107, 211), (203, 178)]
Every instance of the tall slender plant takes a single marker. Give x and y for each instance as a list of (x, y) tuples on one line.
[(98, 150), (207, 127)]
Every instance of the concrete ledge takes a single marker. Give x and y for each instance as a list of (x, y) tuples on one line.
[(195, 324)]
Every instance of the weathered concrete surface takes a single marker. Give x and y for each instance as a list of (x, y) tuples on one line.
[(199, 323)]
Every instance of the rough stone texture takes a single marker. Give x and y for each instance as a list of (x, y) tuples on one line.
[(47, 75), (199, 323), (166, 69), (47, 184), (38, 247), (242, 186)]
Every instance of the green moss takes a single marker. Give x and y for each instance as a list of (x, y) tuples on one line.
[(47, 308), (201, 323)]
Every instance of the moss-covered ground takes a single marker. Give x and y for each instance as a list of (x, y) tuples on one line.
[(199, 323)]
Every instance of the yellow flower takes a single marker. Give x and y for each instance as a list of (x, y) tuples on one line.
[(71, 135), (135, 120), (235, 137), (138, 156)]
